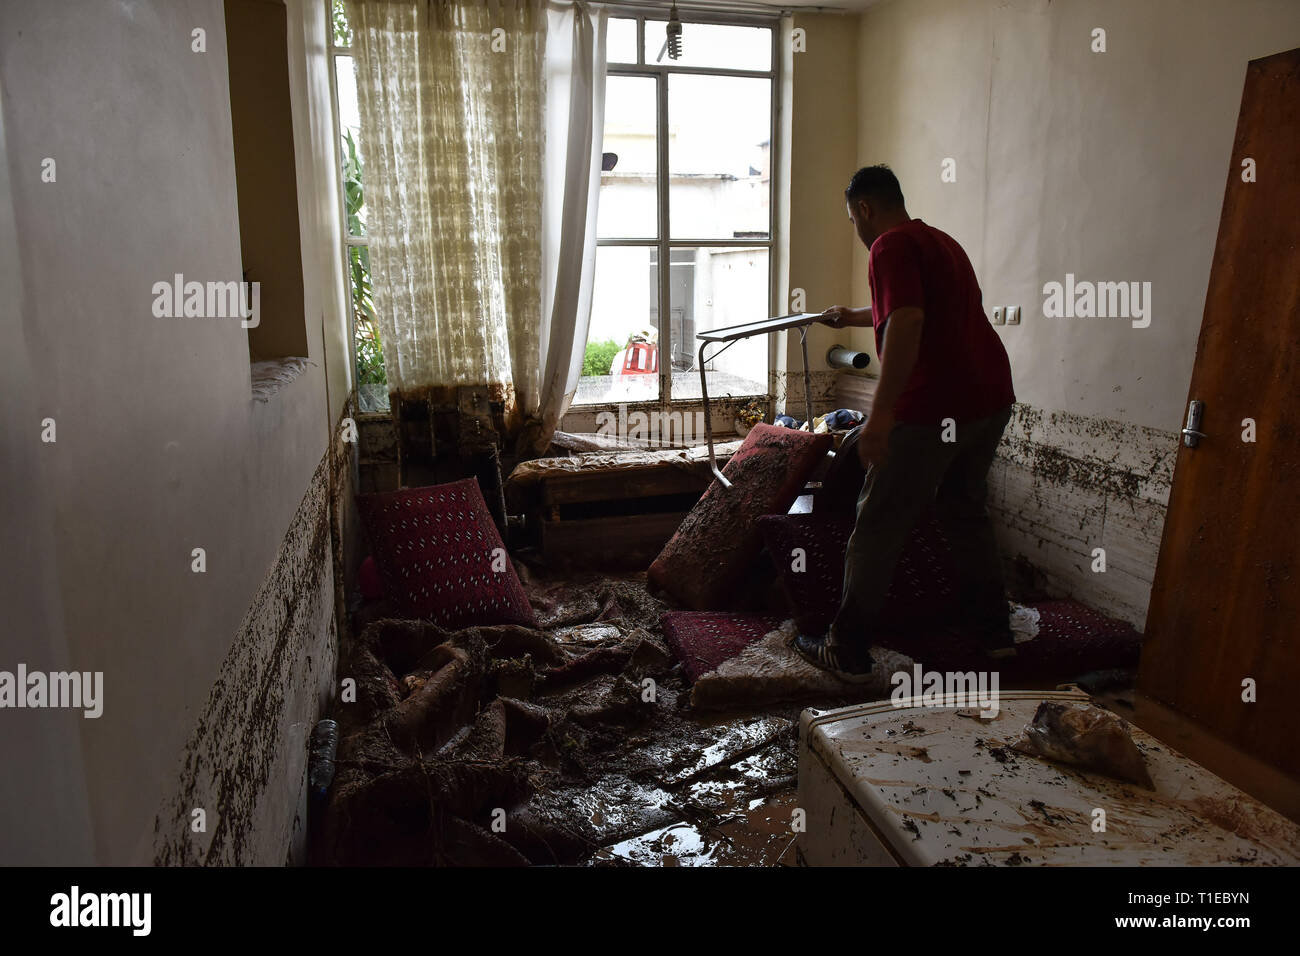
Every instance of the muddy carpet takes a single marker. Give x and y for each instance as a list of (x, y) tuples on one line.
[(511, 745)]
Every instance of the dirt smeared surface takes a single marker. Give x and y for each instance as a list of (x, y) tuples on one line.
[(1122, 460), (570, 744), (238, 765)]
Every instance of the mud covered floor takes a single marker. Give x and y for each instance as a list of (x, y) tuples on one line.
[(571, 744)]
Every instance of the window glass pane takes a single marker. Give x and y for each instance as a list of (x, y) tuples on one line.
[(372, 380), (719, 154), (712, 288), (708, 44), (621, 363), (629, 208), (342, 32), (620, 41), (350, 147)]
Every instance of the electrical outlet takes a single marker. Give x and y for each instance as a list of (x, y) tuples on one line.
[(1013, 315), (999, 315)]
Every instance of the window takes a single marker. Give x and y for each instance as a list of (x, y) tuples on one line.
[(266, 179), (372, 382), (685, 214)]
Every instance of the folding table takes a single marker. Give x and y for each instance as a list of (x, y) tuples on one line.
[(733, 334)]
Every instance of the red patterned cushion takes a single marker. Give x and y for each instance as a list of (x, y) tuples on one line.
[(1071, 640), (922, 591), (704, 639), (435, 550), (705, 562), (1075, 639)]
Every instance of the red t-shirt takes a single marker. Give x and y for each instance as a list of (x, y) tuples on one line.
[(962, 371)]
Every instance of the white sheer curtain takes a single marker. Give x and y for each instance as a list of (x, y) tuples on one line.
[(575, 112), (480, 123)]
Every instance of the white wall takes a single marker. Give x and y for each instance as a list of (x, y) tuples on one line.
[(1108, 165), (46, 810), (160, 448), (817, 142)]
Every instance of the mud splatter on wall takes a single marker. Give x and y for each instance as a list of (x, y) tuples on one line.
[(1064, 485), (788, 389), (245, 762)]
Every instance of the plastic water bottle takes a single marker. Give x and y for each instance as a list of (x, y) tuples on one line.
[(320, 766)]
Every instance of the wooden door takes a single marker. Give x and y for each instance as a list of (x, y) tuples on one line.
[(1225, 605)]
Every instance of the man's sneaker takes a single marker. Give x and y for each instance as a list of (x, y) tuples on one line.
[(820, 652)]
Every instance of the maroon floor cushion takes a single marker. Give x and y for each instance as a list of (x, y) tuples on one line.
[(921, 617), (1072, 639), (440, 557), (705, 562), (704, 639), (921, 593)]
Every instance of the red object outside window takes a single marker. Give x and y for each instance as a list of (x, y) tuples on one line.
[(641, 358)]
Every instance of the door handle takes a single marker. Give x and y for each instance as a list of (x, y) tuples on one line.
[(1192, 433)]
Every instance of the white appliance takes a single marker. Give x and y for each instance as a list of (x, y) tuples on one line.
[(882, 785)]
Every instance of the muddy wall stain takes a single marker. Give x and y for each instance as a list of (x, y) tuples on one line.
[(244, 764), (1065, 485)]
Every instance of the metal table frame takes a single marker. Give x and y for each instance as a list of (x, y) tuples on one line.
[(733, 334)]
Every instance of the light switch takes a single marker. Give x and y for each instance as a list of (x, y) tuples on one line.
[(999, 315), (1013, 315)]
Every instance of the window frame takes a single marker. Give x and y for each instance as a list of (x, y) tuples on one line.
[(661, 72), (333, 52)]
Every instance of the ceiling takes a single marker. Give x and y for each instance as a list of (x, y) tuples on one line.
[(826, 5)]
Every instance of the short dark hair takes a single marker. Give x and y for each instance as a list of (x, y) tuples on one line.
[(877, 183)]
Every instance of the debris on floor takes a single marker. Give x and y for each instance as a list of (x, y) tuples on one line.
[(593, 738), (569, 743)]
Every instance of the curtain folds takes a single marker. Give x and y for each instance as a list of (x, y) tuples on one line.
[(480, 132), (575, 111)]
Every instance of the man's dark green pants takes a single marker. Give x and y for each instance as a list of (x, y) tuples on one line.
[(922, 469)]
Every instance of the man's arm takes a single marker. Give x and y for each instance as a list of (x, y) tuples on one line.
[(844, 316), (901, 347)]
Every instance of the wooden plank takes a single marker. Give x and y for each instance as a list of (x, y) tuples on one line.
[(854, 391), (625, 542), (474, 407), (613, 486), (1225, 601)]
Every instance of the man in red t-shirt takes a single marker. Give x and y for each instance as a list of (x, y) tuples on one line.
[(941, 404)]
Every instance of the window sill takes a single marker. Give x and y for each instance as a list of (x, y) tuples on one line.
[(270, 377)]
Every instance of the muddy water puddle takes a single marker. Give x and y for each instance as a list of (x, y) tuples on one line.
[(731, 806)]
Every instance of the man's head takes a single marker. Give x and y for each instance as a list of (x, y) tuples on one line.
[(875, 202)]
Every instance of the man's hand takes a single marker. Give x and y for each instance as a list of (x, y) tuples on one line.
[(834, 316), (844, 316), (873, 440)]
